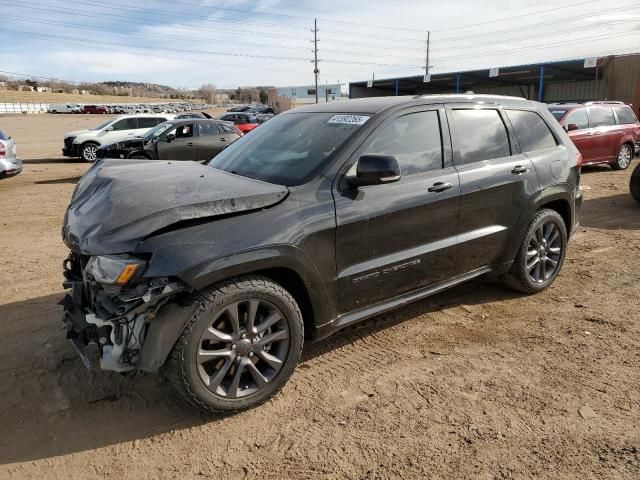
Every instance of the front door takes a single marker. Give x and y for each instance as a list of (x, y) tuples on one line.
[(182, 147), (496, 183), (581, 137), (398, 237)]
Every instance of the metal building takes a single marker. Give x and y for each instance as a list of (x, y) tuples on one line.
[(605, 78)]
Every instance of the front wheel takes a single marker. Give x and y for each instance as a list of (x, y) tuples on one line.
[(239, 348), (625, 155), (89, 152), (541, 254)]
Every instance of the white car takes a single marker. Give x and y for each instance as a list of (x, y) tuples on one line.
[(85, 143), (64, 108), (10, 164)]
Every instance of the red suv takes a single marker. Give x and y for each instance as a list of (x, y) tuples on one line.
[(94, 109), (604, 132)]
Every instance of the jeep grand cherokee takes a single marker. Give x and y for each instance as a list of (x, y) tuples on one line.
[(321, 218)]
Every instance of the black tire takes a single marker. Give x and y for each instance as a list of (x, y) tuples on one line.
[(624, 158), (191, 365), (634, 183), (88, 152), (527, 275)]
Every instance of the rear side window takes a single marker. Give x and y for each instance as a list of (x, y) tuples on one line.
[(625, 115), (481, 135), (532, 132), (208, 129), (579, 118), (601, 116), (148, 122), (414, 139)]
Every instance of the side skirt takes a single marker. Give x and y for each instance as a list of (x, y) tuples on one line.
[(356, 316)]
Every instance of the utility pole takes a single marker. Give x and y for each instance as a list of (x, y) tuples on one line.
[(315, 54), (426, 67)]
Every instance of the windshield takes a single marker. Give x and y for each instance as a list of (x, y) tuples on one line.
[(159, 130), (102, 125), (558, 113), (288, 149)]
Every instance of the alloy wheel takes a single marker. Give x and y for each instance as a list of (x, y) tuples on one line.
[(544, 250), (243, 348), (90, 153), (624, 156)]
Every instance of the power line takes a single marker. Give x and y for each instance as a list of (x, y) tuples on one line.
[(458, 38), (469, 25)]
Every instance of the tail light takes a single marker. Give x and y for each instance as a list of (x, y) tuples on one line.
[(238, 131), (3, 149), (579, 161)]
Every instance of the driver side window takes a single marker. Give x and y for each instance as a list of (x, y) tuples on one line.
[(579, 118), (184, 131), (414, 139)]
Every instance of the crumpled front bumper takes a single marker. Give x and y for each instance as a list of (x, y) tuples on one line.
[(113, 318), (10, 166)]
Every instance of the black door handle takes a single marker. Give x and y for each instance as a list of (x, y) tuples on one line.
[(440, 187), (223, 139), (190, 144), (519, 169)]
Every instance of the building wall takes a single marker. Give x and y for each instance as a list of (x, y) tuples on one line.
[(306, 91)]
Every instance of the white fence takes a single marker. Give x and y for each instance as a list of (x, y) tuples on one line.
[(23, 107)]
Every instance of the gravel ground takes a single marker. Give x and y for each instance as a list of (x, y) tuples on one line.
[(478, 382)]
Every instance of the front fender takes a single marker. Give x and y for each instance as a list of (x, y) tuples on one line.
[(288, 257)]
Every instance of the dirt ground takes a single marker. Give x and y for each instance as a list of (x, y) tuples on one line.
[(478, 382)]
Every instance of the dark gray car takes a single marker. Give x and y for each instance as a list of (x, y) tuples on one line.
[(323, 217), (196, 139)]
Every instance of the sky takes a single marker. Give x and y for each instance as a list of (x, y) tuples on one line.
[(231, 43)]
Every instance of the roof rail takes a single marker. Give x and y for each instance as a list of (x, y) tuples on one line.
[(603, 102)]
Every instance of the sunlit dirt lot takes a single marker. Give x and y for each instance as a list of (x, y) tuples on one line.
[(479, 382)]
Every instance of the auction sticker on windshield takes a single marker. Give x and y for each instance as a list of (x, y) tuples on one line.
[(349, 119)]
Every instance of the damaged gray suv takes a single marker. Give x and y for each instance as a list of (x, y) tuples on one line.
[(321, 218)]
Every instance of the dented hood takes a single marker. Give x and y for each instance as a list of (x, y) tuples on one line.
[(117, 203)]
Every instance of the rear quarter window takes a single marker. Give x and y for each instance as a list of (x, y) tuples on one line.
[(531, 130), (3, 136)]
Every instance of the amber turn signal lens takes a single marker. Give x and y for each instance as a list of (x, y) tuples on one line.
[(126, 274)]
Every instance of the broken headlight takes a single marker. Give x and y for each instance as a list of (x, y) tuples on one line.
[(113, 269)]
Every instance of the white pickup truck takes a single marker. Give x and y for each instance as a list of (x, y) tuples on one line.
[(85, 143)]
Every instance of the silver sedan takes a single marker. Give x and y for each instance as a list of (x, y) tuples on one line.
[(10, 164)]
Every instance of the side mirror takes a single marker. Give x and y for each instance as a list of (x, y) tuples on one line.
[(572, 127), (375, 170), (171, 137), (109, 129)]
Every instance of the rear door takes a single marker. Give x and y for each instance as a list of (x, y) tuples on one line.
[(398, 237), (496, 183), (209, 140), (606, 135)]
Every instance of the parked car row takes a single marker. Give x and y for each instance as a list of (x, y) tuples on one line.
[(103, 109)]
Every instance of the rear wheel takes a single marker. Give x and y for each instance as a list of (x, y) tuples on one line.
[(89, 152), (541, 254), (634, 183), (625, 155), (239, 348)]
